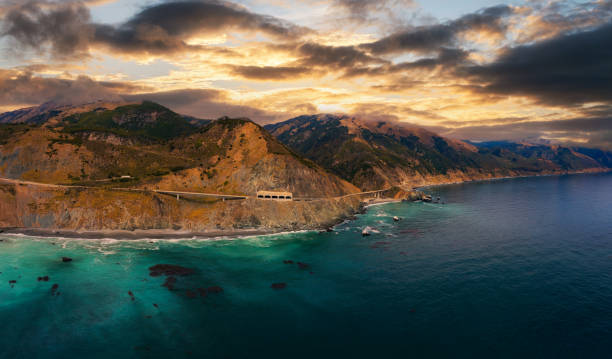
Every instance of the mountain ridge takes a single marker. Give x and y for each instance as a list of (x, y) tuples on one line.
[(372, 154)]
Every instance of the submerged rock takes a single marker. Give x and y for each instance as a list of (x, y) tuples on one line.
[(214, 289), (288, 261), (43, 279), (131, 295), (303, 265), (169, 270), (66, 259), (202, 292), (169, 283), (278, 285), (54, 289), (190, 294)]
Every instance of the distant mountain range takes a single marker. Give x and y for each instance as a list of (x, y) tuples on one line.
[(147, 146), (375, 154)]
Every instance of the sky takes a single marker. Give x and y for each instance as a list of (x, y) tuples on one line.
[(520, 70)]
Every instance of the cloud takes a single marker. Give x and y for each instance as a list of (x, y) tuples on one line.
[(426, 39), (269, 72), (166, 27), (312, 59), (205, 103), (362, 9), (568, 70), (22, 88), (25, 89), (65, 28), (587, 132)]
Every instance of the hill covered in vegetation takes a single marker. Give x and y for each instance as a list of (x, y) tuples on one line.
[(378, 154)]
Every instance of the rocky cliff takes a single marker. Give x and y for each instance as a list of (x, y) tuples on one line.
[(146, 146)]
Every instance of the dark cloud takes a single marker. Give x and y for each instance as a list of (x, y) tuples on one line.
[(24, 88), (65, 29), (334, 56), (28, 90), (312, 59), (363, 9), (446, 60), (587, 132), (205, 103), (165, 27), (269, 72), (571, 69), (426, 39)]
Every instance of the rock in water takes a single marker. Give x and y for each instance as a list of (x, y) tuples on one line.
[(214, 289), (66, 259), (169, 270), (278, 285), (169, 283)]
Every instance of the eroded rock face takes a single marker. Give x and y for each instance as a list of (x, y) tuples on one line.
[(169, 270)]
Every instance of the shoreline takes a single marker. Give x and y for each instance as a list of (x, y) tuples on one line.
[(168, 234), (157, 234), (138, 234)]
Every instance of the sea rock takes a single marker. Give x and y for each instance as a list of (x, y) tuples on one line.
[(131, 295), (214, 289), (190, 294), (288, 261), (66, 259), (169, 270), (54, 289), (278, 285), (303, 265), (43, 279), (169, 283), (202, 292)]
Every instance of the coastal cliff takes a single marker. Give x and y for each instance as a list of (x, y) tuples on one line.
[(116, 167), (103, 167), (29, 206)]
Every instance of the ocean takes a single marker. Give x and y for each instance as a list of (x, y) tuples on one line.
[(516, 268)]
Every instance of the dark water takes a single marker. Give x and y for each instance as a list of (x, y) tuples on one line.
[(505, 269)]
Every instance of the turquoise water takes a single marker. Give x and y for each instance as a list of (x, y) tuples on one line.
[(511, 268)]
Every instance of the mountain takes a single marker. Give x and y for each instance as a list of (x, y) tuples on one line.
[(159, 149), (378, 154)]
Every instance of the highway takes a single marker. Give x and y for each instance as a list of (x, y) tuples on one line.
[(182, 193)]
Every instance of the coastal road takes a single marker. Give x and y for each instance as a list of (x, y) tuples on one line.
[(172, 193), (184, 193)]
